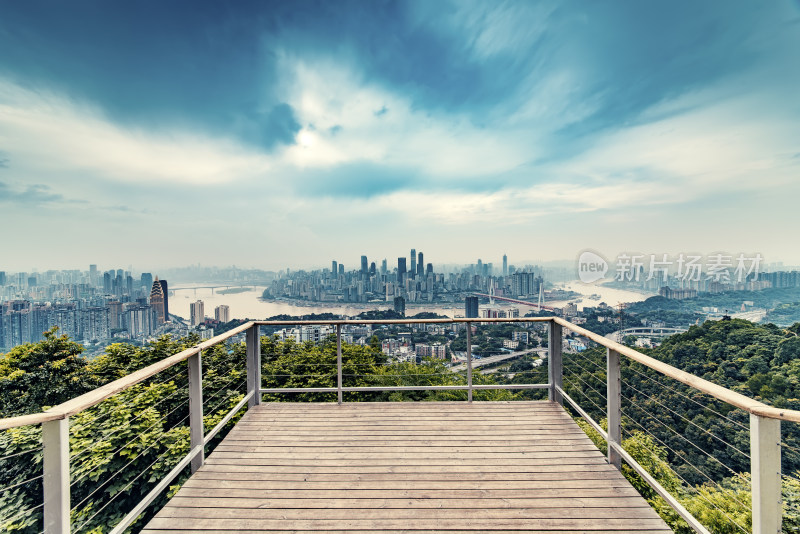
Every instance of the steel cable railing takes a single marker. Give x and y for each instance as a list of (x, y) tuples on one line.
[(628, 407)]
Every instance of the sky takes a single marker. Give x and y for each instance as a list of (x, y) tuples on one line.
[(287, 134)]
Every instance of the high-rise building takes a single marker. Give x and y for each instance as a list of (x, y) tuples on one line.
[(107, 282), (2, 278), (94, 323), (364, 265), (140, 320), (401, 269), (92, 275), (114, 313), (197, 312), (471, 307), (505, 265), (413, 263), (334, 268), (372, 269), (165, 290), (419, 265), (384, 266), (400, 305), (146, 280), (429, 269), (341, 269), (222, 313), (157, 300)]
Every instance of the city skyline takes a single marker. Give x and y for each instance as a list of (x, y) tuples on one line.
[(274, 134)]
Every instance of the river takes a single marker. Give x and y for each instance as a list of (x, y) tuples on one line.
[(248, 305)]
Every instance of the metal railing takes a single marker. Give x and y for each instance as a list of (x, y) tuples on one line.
[(765, 436)]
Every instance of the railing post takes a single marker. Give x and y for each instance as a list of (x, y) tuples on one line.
[(339, 363), (614, 406), (55, 437), (253, 342), (196, 428), (469, 362), (554, 363), (765, 471)]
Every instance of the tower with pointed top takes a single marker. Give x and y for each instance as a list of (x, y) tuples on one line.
[(157, 300)]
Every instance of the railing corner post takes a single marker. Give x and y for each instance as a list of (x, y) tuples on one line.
[(614, 407), (253, 341), (339, 363), (55, 438), (765, 472), (469, 361), (555, 363), (196, 427)]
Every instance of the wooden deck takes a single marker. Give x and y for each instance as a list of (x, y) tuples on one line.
[(407, 467)]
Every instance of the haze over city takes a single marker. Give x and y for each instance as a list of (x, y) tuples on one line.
[(275, 134)]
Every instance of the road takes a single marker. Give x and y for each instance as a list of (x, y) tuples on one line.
[(498, 358)]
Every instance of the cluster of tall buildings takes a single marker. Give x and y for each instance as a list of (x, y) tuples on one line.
[(85, 305), (411, 280)]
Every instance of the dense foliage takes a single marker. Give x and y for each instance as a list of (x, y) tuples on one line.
[(119, 448)]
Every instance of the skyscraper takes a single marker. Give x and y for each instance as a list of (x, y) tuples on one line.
[(165, 290), (505, 265), (334, 268), (157, 300), (471, 307), (197, 312), (413, 263), (364, 265), (419, 265), (400, 305), (401, 269), (146, 280), (93, 275)]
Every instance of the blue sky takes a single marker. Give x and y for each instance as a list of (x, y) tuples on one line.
[(274, 134)]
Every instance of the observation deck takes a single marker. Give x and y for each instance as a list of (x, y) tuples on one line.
[(462, 466), (403, 467)]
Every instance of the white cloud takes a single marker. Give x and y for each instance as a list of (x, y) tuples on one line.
[(384, 128), (731, 144), (50, 134)]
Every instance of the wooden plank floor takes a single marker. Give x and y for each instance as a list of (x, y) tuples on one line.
[(407, 467)]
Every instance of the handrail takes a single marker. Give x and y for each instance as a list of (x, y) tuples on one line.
[(96, 396), (87, 400), (764, 420), (719, 392)]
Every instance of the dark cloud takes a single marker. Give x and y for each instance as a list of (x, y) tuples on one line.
[(279, 126), (32, 194), (356, 180)]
